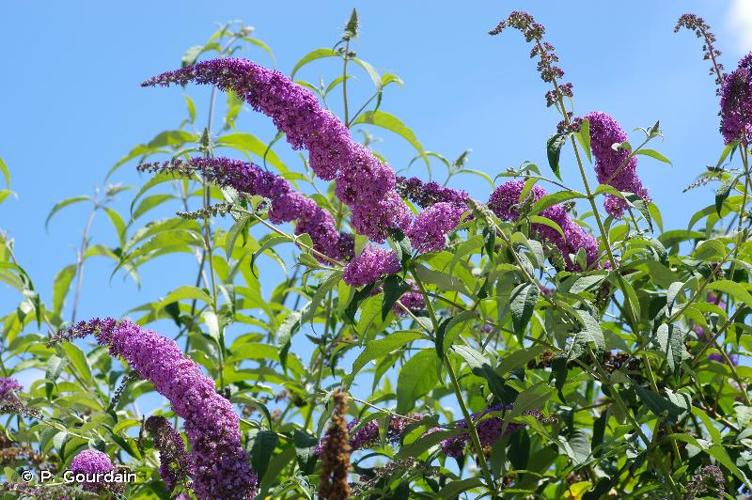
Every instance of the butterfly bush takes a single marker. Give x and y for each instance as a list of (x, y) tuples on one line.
[(512, 348), (219, 462)]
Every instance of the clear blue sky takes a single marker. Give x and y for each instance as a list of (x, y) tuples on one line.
[(72, 106)]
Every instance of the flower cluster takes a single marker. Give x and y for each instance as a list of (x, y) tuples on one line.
[(429, 230), (174, 462), (8, 388), (90, 462), (736, 103), (546, 53), (372, 263), (697, 24), (364, 436), (286, 204), (220, 464), (367, 434), (490, 429), (615, 167), (505, 203), (709, 479), (335, 453), (425, 194), (363, 182)]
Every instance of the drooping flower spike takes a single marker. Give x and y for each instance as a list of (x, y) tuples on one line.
[(286, 204), (505, 201), (363, 182), (220, 466), (736, 103), (174, 462), (615, 167)]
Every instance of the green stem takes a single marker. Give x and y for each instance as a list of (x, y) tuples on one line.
[(472, 431)]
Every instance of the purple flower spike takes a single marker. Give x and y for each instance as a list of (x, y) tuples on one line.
[(364, 183), (615, 168), (429, 230), (364, 437), (8, 386), (220, 464), (736, 103), (370, 265)]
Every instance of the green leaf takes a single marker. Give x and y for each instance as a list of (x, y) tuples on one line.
[(532, 398), (522, 305), (553, 152), (425, 442), (473, 358), (394, 287), (79, 362), (576, 447), (62, 204), (723, 192), (191, 108), (150, 202), (454, 488), (671, 343), (659, 405), (554, 199), (376, 349), (249, 143), (417, 377), (6, 173), (735, 290), (653, 154), (61, 286), (392, 123), (583, 137), (312, 56), (262, 451), (519, 358)]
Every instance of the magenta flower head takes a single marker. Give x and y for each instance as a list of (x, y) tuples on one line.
[(8, 387), (429, 230), (505, 203), (90, 463), (365, 436), (363, 181), (219, 461), (613, 167), (736, 103), (373, 263)]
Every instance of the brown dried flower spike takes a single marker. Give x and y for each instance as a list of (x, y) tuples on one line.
[(335, 457)]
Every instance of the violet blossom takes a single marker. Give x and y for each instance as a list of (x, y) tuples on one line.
[(615, 167), (174, 462), (89, 463), (425, 194), (736, 103), (8, 387), (220, 464), (429, 230), (505, 203), (373, 263)]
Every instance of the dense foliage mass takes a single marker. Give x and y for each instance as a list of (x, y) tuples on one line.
[(408, 341)]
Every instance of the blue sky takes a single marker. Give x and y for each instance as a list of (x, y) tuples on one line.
[(72, 106)]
